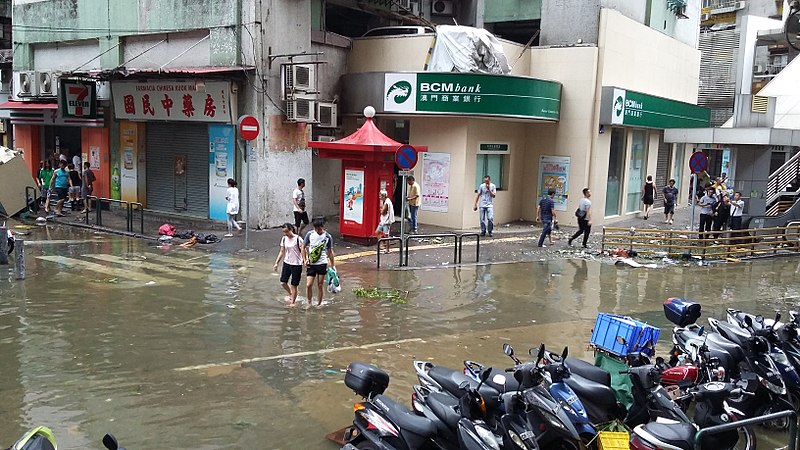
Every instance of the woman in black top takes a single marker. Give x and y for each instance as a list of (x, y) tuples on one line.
[(648, 196), (74, 186)]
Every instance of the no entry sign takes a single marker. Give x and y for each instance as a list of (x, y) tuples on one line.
[(406, 157), (698, 162), (248, 128)]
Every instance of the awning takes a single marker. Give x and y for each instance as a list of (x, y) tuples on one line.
[(11, 104)]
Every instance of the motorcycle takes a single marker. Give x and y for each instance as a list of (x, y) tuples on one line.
[(383, 424), (42, 438)]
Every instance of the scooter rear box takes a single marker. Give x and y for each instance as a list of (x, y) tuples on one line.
[(681, 312), (365, 379)]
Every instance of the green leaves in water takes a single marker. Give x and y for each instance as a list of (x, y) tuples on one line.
[(391, 294)]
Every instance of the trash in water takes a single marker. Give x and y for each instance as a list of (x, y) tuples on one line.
[(150, 283), (230, 305)]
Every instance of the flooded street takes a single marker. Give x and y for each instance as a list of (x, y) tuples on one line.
[(185, 348)]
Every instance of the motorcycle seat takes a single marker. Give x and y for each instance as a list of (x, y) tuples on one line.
[(405, 419), (450, 379), (593, 391), (589, 371), (680, 435), (445, 407), (510, 384)]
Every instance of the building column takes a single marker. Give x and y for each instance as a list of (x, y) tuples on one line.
[(27, 139)]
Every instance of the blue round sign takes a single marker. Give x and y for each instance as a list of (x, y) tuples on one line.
[(406, 157), (698, 162)]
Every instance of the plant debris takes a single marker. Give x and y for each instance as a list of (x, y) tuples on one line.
[(394, 295)]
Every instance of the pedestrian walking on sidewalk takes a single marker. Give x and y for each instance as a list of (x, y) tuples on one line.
[(414, 201), (60, 185), (87, 186), (584, 215), (648, 196), (299, 206), (386, 218), (485, 193), (317, 255), (292, 255), (232, 196), (670, 198), (546, 214)]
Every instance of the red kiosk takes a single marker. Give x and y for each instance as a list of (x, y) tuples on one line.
[(368, 159)]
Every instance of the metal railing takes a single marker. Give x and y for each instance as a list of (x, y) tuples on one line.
[(100, 201), (129, 219), (750, 242), (779, 180), (390, 239), (752, 421), (460, 245), (431, 236)]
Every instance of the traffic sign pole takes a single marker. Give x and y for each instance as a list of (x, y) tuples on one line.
[(405, 158), (694, 199), (248, 160), (403, 212), (248, 128)]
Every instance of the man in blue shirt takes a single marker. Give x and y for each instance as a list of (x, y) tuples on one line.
[(60, 181), (486, 193), (546, 213)]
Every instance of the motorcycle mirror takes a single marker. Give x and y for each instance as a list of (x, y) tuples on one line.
[(564, 354), (110, 442), (777, 316), (540, 355), (759, 319), (701, 331), (508, 350), (485, 374), (748, 321), (621, 340)]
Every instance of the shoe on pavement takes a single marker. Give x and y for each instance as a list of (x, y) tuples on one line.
[(483, 234), (542, 245), (569, 242), (228, 235), (490, 234)]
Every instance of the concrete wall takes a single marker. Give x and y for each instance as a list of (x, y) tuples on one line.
[(566, 21), (389, 54), (752, 173)]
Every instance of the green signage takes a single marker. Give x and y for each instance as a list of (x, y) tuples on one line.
[(472, 94), (624, 107)]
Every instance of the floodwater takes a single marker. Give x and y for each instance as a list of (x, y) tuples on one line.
[(183, 348)]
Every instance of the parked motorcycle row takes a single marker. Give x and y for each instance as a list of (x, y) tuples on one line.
[(746, 366)]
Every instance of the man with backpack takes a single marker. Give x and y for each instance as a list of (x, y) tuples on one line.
[(317, 254), (584, 215), (546, 213)]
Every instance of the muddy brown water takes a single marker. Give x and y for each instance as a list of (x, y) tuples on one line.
[(175, 348)]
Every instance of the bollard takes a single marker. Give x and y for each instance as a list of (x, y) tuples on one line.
[(19, 257), (3, 246)]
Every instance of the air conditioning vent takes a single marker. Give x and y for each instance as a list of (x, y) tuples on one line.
[(760, 104), (326, 115), (300, 110), (25, 84), (442, 7), (298, 79), (48, 84)]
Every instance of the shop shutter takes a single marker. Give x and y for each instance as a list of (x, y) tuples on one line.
[(662, 163), (165, 141)]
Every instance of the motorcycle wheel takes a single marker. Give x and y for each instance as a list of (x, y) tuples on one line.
[(747, 438), (565, 444)]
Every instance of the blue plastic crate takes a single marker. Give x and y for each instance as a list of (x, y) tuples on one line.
[(637, 334)]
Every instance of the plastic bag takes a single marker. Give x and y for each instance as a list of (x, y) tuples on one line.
[(332, 280)]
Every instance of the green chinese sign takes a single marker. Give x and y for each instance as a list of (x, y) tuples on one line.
[(472, 94), (630, 108)]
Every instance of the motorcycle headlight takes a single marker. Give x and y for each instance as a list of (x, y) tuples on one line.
[(516, 439), (487, 437), (568, 408), (554, 420), (774, 388)]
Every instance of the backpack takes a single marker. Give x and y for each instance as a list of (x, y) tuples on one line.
[(302, 202), (579, 213), (316, 252)]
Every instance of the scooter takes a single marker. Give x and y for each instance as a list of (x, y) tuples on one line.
[(711, 409), (42, 438), (383, 424)]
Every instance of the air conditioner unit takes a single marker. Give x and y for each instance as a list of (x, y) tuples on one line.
[(300, 109), (25, 84), (705, 17), (758, 69), (298, 79), (326, 115), (48, 84), (442, 7), (326, 138)]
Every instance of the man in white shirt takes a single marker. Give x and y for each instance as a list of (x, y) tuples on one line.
[(299, 207), (386, 218), (737, 206), (486, 193)]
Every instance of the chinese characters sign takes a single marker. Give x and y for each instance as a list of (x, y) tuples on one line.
[(624, 107), (472, 94), (184, 100)]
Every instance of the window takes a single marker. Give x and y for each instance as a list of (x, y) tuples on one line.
[(491, 160), (616, 159)]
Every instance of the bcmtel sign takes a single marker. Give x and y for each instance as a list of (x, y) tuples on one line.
[(630, 108), (472, 94)]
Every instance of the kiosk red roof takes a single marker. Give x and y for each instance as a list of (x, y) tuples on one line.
[(368, 138)]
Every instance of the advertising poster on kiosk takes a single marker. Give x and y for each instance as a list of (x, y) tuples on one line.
[(220, 168), (128, 176), (435, 181), (353, 196), (554, 174)]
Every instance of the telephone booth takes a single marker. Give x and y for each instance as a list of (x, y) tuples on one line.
[(368, 159)]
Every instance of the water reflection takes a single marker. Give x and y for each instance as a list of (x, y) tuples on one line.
[(86, 353)]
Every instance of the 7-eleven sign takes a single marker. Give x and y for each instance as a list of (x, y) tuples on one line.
[(78, 98)]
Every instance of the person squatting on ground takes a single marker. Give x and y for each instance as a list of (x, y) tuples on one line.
[(414, 201), (232, 196), (486, 193), (546, 214), (292, 255), (386, 218), (670, 198), (584, 215), (299, 206), (648, 196), (706, 212), (317, 254), (87, 186), (59, 184)]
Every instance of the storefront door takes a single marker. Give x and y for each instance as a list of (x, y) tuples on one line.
[(616, 160), (636, 169)]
